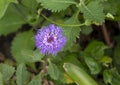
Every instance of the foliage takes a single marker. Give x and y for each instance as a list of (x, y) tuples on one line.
[(53, 71), (22, 75), (7, 21), (78, 75), (7, 71), (56, 5), (4, 5), (17, 45), (93, 11), (69, 30), (84, 60)]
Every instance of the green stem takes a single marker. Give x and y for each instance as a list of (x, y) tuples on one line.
[(68, 25)]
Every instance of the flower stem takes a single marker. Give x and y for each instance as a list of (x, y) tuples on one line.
[(45, 64), (68, 25)]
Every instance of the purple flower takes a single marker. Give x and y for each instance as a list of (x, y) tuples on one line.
[(49, 39)]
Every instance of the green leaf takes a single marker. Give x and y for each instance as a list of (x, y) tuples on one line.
[(68, 79), (4, 5), (37, 80), (106, 60), (93, 12), (110, 6), (107, 76), (95, 49), (31, 4), (29, 9), (71, 32), (12, 20), (75, 48), (31, 56), (56, 5), (72, 58), (7, 71), (93, 65), (78, 75), (1, 81), (53, 71), (22, 75), (116, 76), (117, 16), (86, 30), (21, 42)]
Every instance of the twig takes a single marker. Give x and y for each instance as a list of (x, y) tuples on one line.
[(51, 83), (45, 82), (106, 35)]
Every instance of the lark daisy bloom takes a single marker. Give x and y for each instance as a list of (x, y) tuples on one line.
[(49, 39)]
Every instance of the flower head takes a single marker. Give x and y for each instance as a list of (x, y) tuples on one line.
[(49, 39)]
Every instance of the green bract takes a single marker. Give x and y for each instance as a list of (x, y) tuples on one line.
[(78, 75)]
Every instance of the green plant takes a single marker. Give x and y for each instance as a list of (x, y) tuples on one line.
[(28, 66)]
